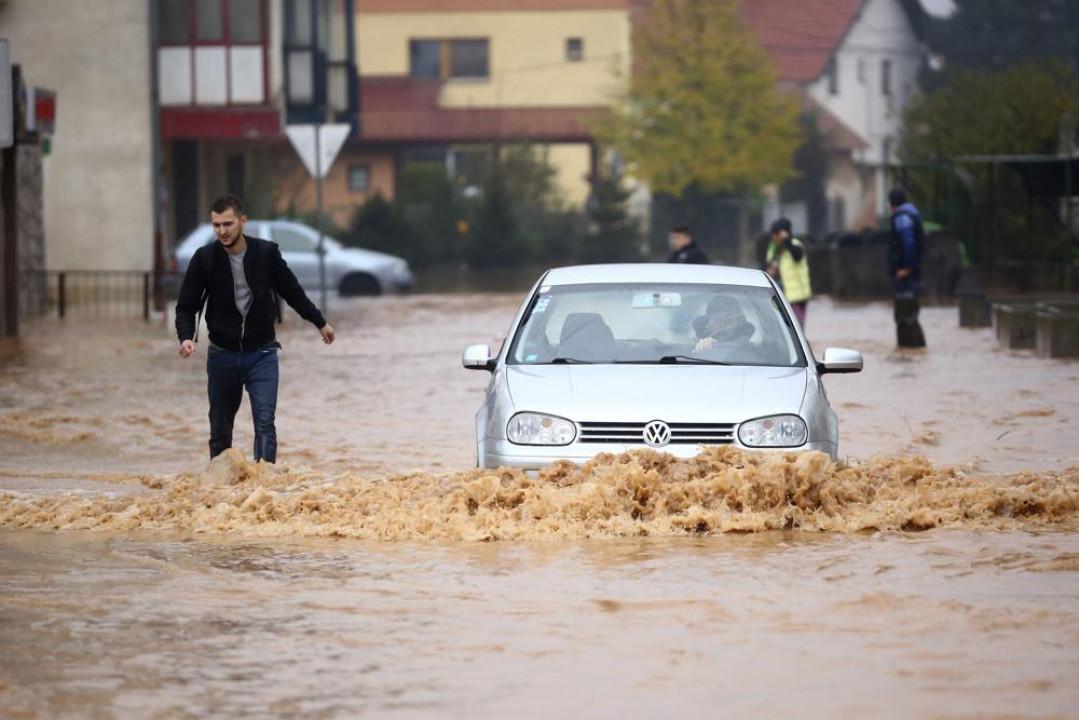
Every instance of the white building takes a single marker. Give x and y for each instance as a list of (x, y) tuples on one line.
[(856, 63)]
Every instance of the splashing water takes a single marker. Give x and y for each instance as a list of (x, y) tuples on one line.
[(640, 493)]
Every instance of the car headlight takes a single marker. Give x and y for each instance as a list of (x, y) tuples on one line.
[(774, 431), (537, 429)]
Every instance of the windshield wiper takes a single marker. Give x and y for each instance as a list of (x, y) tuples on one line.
[(570, 361), (689, 359)]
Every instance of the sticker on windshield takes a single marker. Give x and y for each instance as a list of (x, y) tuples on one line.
[(541, 305), (656, 299)]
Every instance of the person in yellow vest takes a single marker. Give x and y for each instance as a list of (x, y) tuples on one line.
[(788, 263)]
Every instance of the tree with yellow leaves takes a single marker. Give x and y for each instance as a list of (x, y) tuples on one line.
[(702, 107)]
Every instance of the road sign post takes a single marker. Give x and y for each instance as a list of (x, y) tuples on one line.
[(317, 146)]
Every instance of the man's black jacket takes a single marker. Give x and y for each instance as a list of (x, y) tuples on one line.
[(209, 275), (691, 254)]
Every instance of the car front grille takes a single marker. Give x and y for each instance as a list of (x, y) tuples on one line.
[(632, 433)]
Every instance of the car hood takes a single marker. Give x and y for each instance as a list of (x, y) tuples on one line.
[(639, 393)]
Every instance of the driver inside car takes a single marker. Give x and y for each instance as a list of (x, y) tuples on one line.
[(723, 325)]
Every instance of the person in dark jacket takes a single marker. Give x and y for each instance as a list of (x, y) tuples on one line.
[(239, 278), (683, 249), (905, 266)]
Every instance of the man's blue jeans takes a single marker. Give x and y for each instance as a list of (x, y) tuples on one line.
[(228, 372)]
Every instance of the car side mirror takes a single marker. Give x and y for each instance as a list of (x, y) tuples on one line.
[(840, 360), (478, 357)]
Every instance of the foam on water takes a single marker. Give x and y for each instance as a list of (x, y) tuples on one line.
[(641, 493)]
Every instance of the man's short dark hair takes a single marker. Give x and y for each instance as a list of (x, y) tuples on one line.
[(897, 197), (681, 229), (228, 202)]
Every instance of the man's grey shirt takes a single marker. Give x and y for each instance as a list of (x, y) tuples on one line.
[(239, 284)]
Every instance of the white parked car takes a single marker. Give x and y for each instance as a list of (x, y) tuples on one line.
[(349, 271), (608, 358)]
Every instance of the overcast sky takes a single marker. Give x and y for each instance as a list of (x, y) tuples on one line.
[(938, 7)]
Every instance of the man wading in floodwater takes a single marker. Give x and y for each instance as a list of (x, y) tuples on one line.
[(237, 277)]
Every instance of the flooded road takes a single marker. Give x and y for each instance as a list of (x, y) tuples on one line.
[(135, 581)]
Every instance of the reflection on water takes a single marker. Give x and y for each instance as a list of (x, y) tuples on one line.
[(946, 583), (946, 623)]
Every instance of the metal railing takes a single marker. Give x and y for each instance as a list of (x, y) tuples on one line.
[(95, 294)]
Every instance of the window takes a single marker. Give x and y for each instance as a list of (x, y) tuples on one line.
[(833, 76), (861, 70), (468, 58), (174, 22), (245, 21), (211, 52), (885, 77), (290, 240), (359, 178), (319, 69), (645, 322), (425, 57), (447, 59), (209, 21), (574, 49)]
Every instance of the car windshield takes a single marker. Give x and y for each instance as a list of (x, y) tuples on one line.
[(662, 323)]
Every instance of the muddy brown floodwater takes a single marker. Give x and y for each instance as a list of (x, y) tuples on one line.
[(933, 572)]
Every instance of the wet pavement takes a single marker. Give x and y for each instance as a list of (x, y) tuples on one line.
[(135, 581)]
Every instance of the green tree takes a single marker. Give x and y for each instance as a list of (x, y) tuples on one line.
[(431, 211), (381, 225), (495, 239), (702, 106), (1020, 110), (613, 234)]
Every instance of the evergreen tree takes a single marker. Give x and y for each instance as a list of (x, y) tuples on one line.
[(613, 234)]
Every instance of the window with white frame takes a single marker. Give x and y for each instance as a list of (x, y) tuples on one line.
[(211, 52)]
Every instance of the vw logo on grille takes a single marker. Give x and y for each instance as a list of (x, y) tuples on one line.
[(657, 434)]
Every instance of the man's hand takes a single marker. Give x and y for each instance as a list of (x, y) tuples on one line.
[(187, 349), (902, 273), (704, 344), (327, 333)]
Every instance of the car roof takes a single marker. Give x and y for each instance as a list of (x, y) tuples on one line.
[(656, 273)]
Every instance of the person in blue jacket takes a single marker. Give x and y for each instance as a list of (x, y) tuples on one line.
[(905, 266)]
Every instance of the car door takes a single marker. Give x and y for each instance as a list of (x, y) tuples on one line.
[(298, 250)]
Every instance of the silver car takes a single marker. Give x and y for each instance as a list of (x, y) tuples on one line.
[(608, 358), (349, 271)]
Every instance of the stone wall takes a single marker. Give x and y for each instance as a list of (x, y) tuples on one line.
[(30, 230)]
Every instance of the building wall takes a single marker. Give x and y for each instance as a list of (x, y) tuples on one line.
[(573, 163), (297, 192), (98, 203), (882, 32), (527, 53)]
